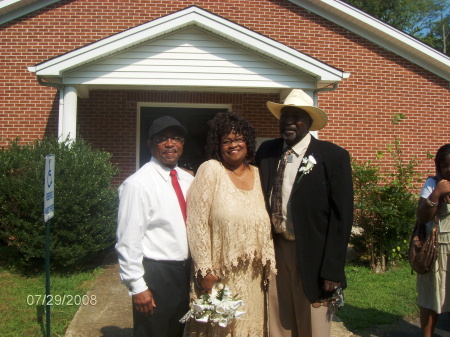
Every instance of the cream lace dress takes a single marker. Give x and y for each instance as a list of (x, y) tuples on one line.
[(432, 286), (229, 233)]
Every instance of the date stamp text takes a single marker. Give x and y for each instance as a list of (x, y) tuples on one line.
[(61, 300)]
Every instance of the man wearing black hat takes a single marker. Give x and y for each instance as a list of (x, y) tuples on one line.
[(151, 235)]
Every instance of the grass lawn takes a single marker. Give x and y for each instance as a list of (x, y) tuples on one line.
[(21, 315), (370, 299), (374, 299)]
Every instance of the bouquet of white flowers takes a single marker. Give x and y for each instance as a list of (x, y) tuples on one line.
[(219, 307)]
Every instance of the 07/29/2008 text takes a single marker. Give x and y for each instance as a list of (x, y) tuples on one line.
[(62, 299)]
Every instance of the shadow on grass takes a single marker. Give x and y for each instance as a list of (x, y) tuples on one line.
[(366, 323), (40, 316), (356, 319)]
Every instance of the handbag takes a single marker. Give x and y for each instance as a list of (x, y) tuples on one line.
[(423, 249)]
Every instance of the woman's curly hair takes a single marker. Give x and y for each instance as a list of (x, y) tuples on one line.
[(222, 125), (443, 152)]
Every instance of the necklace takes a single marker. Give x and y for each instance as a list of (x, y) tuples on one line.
[(241, 179)]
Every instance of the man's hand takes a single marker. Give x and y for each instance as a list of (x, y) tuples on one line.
[(144, 302), (330, 285)]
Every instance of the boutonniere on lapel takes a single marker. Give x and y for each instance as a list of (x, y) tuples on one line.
[(306, 166)]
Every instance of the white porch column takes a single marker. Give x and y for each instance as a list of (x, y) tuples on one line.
[(61, 115), (68, 118)]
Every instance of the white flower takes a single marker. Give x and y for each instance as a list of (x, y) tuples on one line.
[(202, 319), (306, 166), (220, 309), (235, 304), (239, 314), (217, 308), (223, 322), (200, 307)]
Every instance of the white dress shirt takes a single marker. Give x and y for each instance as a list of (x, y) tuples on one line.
[(292, 167), (150, 222)]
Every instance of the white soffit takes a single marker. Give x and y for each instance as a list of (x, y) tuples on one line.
[(380, 33), (161, 29)]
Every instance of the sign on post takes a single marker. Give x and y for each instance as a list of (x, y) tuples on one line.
[(49, 200)]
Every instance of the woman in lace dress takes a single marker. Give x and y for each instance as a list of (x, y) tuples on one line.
[(432, 287), (229, 229)]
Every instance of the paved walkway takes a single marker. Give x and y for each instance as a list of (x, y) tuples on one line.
[(111, 316)]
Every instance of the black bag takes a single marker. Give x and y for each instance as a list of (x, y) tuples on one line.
[(423, 249)]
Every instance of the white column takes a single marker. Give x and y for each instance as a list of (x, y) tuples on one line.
[(61, 115), (69, 117)]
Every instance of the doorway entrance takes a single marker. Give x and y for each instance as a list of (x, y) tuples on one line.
[(194, 119)]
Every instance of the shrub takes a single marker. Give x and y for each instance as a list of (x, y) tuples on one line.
[(84, 219), (384, 209)]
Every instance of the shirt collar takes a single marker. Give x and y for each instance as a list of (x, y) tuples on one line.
[(163, 170), (301, 145)]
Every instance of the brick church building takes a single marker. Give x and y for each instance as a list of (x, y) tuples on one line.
[(102, 70)]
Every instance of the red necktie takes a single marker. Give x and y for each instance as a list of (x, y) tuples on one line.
[(179, 192)]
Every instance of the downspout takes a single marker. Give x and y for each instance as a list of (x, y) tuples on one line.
[(325, 89), (49, 84), (61, 102)]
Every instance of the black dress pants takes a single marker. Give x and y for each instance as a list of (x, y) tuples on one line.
[(169, 283)]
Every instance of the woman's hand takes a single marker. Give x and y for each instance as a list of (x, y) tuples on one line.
[(425, 211), (442, 190), (206, 283)]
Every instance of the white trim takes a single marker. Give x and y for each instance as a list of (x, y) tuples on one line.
[(184, 105), (178, 20), (18, 10), (380, 33), (168, 105)]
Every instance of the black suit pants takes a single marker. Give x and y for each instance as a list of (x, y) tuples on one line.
[(169, 283)]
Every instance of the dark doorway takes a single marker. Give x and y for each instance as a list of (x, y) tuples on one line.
[(195, 120)]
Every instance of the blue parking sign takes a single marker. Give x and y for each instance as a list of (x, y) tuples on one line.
[(49, 187)]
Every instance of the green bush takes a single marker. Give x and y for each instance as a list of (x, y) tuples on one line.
[(384, 209), (85, 212)]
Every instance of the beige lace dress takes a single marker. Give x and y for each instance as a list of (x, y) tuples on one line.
[(229, 233)]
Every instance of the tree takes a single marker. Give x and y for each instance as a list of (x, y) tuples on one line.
[(439, 34), (415, 17)]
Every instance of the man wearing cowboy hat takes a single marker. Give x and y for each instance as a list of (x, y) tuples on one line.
[(309, 195)]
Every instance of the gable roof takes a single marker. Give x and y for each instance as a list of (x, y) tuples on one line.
[(237, 47), (338, 11)]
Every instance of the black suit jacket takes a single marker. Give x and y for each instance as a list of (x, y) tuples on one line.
[(321, 208)]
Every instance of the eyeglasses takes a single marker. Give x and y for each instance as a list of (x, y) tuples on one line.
[(163, 140), (228, 142)]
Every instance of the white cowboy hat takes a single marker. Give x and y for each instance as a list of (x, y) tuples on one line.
[(300, 99)]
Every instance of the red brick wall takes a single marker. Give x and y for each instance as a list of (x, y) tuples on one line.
[(381, 83)]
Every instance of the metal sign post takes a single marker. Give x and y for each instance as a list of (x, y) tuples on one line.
[(49, 207)]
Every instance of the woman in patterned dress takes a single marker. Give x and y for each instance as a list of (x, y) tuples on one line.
[(229, 230), (432, 287)]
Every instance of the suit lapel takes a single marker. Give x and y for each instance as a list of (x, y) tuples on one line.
[(311, 150)]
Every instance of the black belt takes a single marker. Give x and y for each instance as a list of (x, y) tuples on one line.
[(181, 263)]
